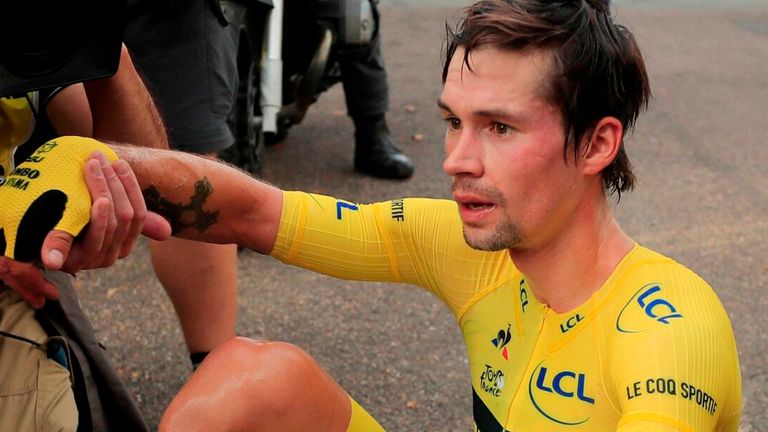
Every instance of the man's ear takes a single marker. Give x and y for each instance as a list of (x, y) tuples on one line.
[(603, 145)]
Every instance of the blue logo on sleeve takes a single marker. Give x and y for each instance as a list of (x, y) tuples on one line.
[(344, 205), (650, 302)]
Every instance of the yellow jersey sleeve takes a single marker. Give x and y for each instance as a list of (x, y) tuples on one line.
[(17, 122), (674, 365), (417, 241)]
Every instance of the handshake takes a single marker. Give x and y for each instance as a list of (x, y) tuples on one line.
[(46, 192), (48, 200)]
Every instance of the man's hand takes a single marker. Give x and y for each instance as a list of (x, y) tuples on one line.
[(118, 216)]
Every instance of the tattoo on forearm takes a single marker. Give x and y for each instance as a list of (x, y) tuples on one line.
[(183, 216)]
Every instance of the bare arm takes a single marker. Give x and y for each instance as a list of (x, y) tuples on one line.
[(69, 112), (117, 108), (123, 109), (205, 199)]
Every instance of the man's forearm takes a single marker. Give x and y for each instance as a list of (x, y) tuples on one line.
[(205, 199), (122, 108)]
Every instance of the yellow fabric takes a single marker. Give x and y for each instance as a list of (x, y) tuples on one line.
[(35, 392), (56, 165), (653, 349), (16, 125), (361, 421)]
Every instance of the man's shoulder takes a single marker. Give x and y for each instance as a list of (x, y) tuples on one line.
[(658, 293), (650, 268), (666, 327), (661, 311)]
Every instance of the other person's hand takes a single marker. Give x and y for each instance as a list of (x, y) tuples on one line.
[(28, 281), (47, 191), (117, 214)]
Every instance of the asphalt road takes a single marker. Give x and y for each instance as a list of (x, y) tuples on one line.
[(699, 153)]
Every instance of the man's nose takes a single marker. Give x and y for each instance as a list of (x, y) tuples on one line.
[(463, 155)]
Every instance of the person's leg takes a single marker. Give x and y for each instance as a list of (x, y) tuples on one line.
[(272, 386), (35, 391), (201, 281), (366, 92), (188, 60)]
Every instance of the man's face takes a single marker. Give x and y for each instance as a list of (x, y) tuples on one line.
[(504, 150)]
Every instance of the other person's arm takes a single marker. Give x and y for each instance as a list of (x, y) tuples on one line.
[(115, 108)]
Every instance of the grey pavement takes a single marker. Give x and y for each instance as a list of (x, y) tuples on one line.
[(702, 198)]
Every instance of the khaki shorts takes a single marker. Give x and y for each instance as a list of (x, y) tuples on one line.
[(35, 391)]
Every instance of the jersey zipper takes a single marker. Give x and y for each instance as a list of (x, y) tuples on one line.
[(528, 364)]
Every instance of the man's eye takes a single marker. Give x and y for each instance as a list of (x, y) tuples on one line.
[(453, 123), (501, 128)]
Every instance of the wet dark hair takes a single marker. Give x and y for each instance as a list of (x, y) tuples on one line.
[(597, 68)]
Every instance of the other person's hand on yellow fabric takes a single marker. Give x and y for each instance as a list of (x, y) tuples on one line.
[(50, 214)]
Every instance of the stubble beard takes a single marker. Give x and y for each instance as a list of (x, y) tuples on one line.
[(505, 236)]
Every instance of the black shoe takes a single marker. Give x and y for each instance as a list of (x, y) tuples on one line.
[(375, 154)]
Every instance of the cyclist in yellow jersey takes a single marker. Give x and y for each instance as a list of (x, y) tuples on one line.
[(569, 324), (651, 349)]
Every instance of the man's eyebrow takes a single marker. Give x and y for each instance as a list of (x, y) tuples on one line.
[(499, 113), (443, 106)]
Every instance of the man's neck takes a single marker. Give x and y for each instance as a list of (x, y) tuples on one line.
[(566, 270)]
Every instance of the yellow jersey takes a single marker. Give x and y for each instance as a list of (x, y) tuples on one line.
[(17, 123), (651, 350)]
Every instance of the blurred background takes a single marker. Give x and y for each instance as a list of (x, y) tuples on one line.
[(702, 198)]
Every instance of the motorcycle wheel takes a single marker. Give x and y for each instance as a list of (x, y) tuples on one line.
[(244, 119)]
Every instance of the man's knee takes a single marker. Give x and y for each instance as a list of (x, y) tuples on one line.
[(275, 373), (247, 354), (270, 377)]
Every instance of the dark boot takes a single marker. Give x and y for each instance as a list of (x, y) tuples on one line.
[(375, 153)]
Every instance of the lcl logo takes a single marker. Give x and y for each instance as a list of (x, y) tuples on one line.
[(575, 384), (652, 304), (560, 395), (570, 323), (654, 308)]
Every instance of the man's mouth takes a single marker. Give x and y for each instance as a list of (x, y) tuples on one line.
[(477, 205), (473, 209)]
